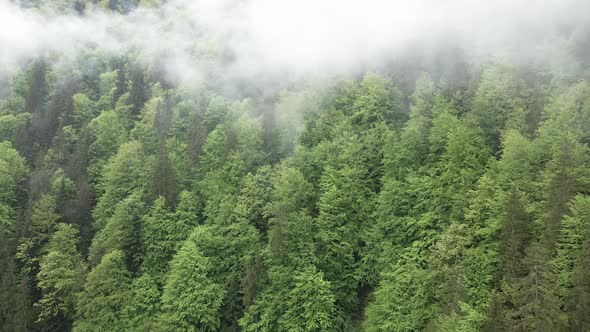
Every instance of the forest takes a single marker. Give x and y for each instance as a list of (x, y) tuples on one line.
[(439, 192)]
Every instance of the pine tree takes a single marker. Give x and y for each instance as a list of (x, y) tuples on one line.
[(13, 171), (560, 190), (403, 301), (121, 82), (497, 105), (343, 214), (161, 235), (534, 298), (410, 151), (310, 304), (191, 300), (106, 292), (139, 90), (572, 264), (141, 313), (254, 196), (378, 100), (44, 218), (189, 210), (60, 277), (569, 246), (227, 247), (123, 175), (107, 133), (580, 292), (164, 177), (121, 232), (461, 165), (290, 251), (515, 233)]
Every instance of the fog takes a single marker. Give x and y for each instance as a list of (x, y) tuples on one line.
[(290, 39)]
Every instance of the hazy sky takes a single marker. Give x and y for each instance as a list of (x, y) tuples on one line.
[(297, 36)]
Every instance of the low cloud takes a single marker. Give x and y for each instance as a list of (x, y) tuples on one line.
[(268, 37)]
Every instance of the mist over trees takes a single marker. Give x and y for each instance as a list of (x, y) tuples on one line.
[(440, 186)]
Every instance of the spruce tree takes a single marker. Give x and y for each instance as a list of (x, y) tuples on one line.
[(105, 293), (191, 299)]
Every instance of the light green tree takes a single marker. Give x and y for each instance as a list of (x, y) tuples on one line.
[(105, 293), (191, 299)]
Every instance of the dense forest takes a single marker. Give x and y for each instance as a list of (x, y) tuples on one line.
[(430, 193)]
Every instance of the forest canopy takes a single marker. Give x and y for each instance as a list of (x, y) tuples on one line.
[(185, 166)]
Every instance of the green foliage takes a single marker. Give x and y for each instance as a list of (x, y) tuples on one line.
[(227, 248), (580, 292), (403, 301), (344, 211), (10, 124), (460, 166), (514, 237), (162, 233), (398, 200), (571, 261), (567, 114), (106, 292), (410, 149), (310, 304), (468, 320), (191, 300), (188, 210), (122, 232), (141, 313), (44, 218), (378, 100), (228, 155), (498, 105), (61, 275), (124, 174), (108, 133), (13, 171), (254, 196), (85, 110), (533, 297)]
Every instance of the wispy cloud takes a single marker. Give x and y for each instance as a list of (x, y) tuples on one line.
[(297, 37)]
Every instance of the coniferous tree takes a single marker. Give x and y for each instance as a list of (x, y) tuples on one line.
[(139, 89), (141, 313), (122, 232), (560, 189), (60, 277), (497, 105), (123, 175), (571, 261), (105, 293), (580, 292), (310, 304), (343, 213), (533, 297), (403, 300), (515, 234), (191, 299), (161, 235), (432, 194)]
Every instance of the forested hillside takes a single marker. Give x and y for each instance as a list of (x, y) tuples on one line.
[(430, 193)]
